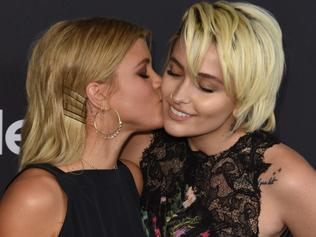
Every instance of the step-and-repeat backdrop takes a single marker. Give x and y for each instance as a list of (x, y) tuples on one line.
[(21, 22)]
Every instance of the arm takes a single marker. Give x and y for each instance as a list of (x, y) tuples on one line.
[(134, 148), (300, 214), (295, 192), (33, 206)]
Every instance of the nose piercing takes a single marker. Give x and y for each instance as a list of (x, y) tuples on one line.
[(175, 100)]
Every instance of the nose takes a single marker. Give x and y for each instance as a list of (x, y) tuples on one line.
[(156, 80), (181, 93)]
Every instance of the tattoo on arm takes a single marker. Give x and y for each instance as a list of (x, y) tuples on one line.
[(271, 180)]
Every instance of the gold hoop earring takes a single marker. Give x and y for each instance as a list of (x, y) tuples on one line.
[(114, 132)]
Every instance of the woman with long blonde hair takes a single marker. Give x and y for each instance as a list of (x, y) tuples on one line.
[(90, 85)]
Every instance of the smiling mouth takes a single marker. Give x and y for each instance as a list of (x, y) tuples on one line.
[(178, 115)]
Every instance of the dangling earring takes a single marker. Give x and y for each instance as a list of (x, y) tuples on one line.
[(112, 134)]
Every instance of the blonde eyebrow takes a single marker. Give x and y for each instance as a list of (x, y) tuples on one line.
[(203, 75)]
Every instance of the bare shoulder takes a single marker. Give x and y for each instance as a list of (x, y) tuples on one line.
[(35, 186), (292, 189), (137, 174), (135, 146), (291, 168), (32, 204)]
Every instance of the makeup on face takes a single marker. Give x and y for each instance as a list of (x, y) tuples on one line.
[(142, 68), (199, 105), (137, 97)]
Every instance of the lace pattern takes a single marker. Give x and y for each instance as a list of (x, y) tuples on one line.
[(188, 193)]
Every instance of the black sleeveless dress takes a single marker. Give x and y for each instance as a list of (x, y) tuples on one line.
[(190, 194), (101, 203)]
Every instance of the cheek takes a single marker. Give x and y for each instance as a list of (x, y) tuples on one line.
[(140, 97), (217, 108), (167, 86), (145, 95), (137, 90), (127, 97)]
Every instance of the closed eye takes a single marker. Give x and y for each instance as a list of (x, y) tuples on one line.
[(143, 72), (205, 89), (143, 75), (205, 86), (173, 74)]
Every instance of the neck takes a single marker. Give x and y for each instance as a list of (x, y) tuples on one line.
[(216, 141), (103, 153)]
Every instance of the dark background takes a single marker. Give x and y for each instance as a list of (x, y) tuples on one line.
[(21, 22)]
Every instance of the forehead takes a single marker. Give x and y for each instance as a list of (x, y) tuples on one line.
[(137, 52), (210, 60)]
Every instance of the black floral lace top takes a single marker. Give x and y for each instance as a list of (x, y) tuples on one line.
[(188, 193)]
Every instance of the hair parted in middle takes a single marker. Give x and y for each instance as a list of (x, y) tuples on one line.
[(249, 45), (69, 56)]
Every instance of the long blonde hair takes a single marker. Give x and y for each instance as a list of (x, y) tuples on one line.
[(63, 61), (249, 46)]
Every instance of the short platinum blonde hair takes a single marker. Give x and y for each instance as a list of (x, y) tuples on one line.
[(69, 56), (249, 46)]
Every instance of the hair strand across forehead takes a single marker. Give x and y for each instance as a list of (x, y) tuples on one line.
[(249, 45)]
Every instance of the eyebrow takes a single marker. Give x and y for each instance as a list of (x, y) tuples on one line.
[(202, 75), (144, 61)]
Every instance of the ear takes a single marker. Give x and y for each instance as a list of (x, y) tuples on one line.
[(97, 94)]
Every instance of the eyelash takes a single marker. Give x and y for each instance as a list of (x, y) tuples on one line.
[(171, 73), (207, 90), (143, 74)]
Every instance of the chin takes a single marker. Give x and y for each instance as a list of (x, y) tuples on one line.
[(176, 131)]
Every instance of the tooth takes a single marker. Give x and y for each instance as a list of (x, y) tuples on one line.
[(178, 113)]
